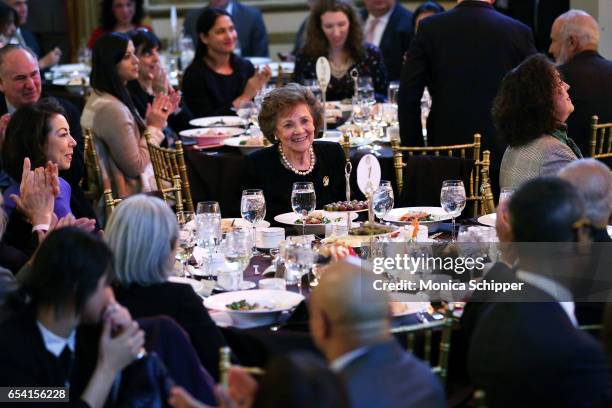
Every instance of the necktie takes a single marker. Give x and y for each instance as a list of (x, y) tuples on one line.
[(65, 363), (371, 30)]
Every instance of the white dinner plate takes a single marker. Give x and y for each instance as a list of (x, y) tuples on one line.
[(196, 284), (226, 223), (240, 143), (344, 107), (68, 68), (213, 133), (488, 219), (66, 81), (437, 213), (218, 121), (270, 305), (336, 136), (336, 218)]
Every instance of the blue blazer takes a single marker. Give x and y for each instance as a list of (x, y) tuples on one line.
[(249, 25), (461, 55), (395, 39)]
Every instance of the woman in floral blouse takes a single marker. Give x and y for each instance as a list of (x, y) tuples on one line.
[(335, 31)]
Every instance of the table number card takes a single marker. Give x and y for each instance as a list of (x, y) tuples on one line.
[(368, 174)]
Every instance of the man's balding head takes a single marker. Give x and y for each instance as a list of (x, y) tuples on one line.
[(19, 75), (573, 32), (593, 180), (345, 311)]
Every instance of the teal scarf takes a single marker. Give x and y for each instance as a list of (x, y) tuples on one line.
[(561, 135)]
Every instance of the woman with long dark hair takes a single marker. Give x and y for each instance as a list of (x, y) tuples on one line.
[(111, 115), (218, 80), (119, 16), (335, 31)]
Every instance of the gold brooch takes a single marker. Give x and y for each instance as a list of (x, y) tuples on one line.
[(325, 181)]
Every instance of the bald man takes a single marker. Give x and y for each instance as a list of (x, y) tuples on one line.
[(575, 40), (349, 323), (593, 180)]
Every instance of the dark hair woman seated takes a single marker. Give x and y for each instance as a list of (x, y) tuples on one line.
[(290, 118), (529, 113), (218, 80)]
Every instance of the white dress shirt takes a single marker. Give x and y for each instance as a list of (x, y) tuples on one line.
[(560, 293), (380, 28), (341, 362), (54, 343)]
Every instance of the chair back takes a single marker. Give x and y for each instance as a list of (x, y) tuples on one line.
[(478, 190), (225, 364), (95, 178), (601, 139), (170, 170), (110, 202), (427, 330)]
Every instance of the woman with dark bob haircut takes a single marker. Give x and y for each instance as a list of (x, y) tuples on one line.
[(290, 117), (425, 10), (119, 16), (45, 339), (111, 115), (218, 81), (529, 112), (335, 31)]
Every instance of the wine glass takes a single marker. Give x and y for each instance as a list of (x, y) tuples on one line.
[(383, 199), (299, 258), (186, 240), (452, 199), (208, 227), (392, 92), (253, 210), (365, 89), (303, 200), (236, 249)]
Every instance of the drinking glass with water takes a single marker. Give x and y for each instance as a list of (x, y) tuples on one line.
[(383, 199), (452, 200), (303, 200), (253, 210)]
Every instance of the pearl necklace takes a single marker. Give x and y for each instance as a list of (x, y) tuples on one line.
[(289, 166)]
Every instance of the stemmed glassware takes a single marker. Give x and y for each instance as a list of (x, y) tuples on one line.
[(236, 249), (383, 199), (186, 240), (299, 258), (452, 199), (253, 210), (392, 92), (208, 226), (303, 200)]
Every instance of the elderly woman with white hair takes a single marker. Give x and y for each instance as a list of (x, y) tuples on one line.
[(142, 233)]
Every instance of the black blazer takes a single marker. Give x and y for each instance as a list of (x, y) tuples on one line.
[(529, 354), (181, 303), (31, 41), (264, 170), (589, 76), (461, 55), (395, 39)]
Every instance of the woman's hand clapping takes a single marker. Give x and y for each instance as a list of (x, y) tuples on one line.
[(158, 111)]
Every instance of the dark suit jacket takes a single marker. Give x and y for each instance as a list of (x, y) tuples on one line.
[(461, 55), (589, 76), (395, 39), (31, 41), (181, 303), (249, 25), (387, 377), (529, 354)]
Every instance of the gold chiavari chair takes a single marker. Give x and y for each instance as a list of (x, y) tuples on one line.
[(479, 175), (170, 170), (95, 177), (601, 139), (225, 364), (445, 327), (110, 202)]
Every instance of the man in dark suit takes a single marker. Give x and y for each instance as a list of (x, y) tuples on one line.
[(27, 38), (526, 350), (248, 22), (388, 25), (461, 55), (349, 323), (20, 85), (575, 40)]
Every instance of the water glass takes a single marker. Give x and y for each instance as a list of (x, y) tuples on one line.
[(392, 92), (365, 89), (383, 200), (253, 210), (299, 258), (452, 200), (236, 249), (187, 238), (313, 86), (303, 200), (505, 194)]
